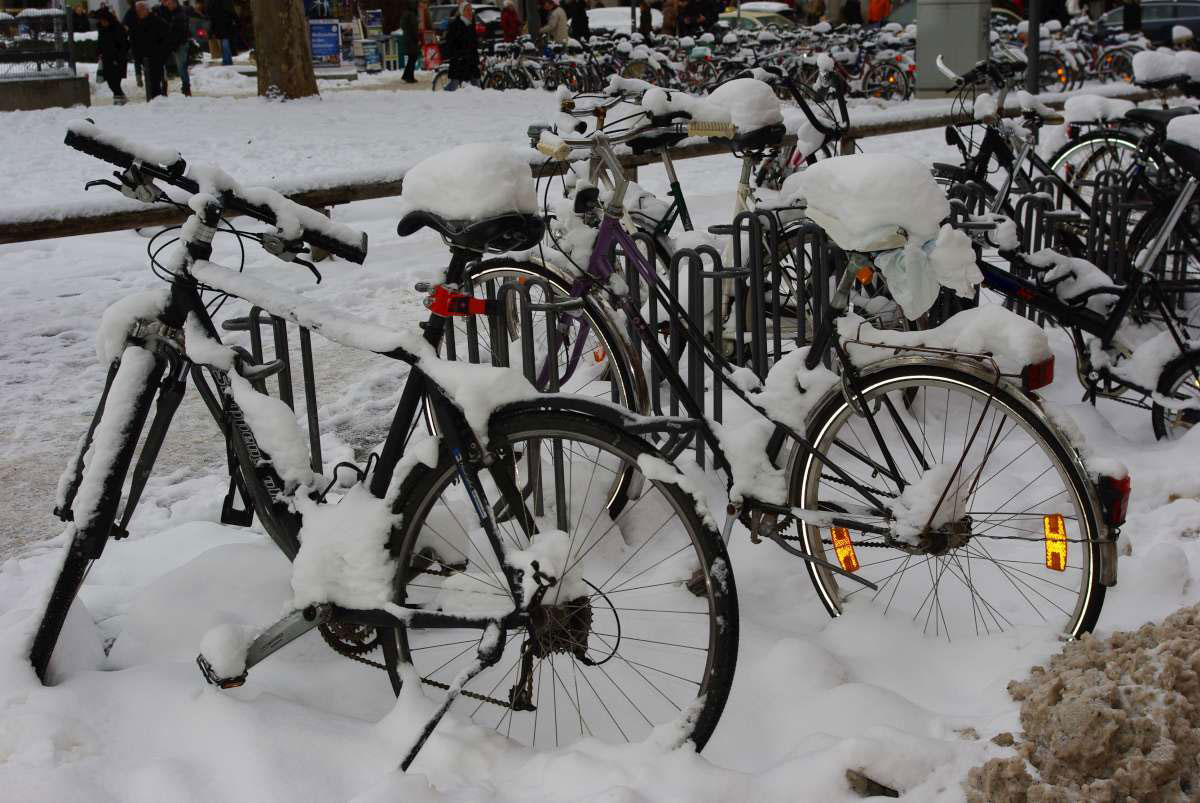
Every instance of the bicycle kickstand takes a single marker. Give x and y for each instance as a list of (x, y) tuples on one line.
[(491, 647)]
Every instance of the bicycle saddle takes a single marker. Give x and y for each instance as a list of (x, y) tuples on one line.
[(512, 231), (1157, 118)]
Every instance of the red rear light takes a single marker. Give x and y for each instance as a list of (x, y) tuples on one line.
[(1038, 375), (201, 32), (1114, 498), (480, 29)]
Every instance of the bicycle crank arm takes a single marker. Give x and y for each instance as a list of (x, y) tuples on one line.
[(833, 567)]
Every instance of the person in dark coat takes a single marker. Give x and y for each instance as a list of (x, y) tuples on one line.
[(577, 14), (462, 48), (179, 39), (149, 38), (412, 44), (221, 27), (113, 44), (128, 22)]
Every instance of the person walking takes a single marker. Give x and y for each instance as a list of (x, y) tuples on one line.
[(670, 12), (412, 39), (577, 14), (555, 25), (178, 40), (220, 27), (646, 21), (462, 48), (149, 40), (128, 22), (878, 11), (510, 22), (113, 45)]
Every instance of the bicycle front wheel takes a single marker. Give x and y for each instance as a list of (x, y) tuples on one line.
[(640, 627), (999, 480)]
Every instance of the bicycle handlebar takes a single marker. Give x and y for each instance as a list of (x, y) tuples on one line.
[(89, 139)]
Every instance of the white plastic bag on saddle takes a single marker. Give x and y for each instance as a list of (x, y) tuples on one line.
[(917, 272)]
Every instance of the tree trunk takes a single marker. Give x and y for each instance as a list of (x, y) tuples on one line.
[(281, 49)]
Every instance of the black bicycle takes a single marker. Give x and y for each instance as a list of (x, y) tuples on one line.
[(533, 551)]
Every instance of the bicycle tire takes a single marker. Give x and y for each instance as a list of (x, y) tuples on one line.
[(709, 588), (1079, 160), (1181, 371), (620, 355), (440, 79), (76, 563), (1037, 444)]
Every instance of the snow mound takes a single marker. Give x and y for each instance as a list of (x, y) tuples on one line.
[(1117, 719), (1092, 108), (862, 200), (1157, 65), (1185, 130), (470, 182), (750, 103)]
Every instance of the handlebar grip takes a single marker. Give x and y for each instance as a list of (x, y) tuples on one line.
[(704, 128), (559, 153), (351, 253), (105, 153), (84, 136)]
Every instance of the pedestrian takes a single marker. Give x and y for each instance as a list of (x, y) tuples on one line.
[(877, 10), (510, 22), (462, 48), (220, 27), (149, 41), (1132, 18), (554, 22), (412, 36), (113, 45), (646, 21), (670, 13), (179, 40), (577, 14), (129, 22), (79, 18), (852, 12)]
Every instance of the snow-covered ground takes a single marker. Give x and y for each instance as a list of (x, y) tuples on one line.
[(812, 698)]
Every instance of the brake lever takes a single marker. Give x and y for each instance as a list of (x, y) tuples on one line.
[(102, 182), (311, 268)]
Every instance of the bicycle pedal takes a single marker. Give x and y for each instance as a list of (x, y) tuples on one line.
[(211, 677)]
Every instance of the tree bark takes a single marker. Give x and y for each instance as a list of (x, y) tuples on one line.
[(281, 49)]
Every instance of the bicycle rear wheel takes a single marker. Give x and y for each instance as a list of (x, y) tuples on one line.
[(594, 356), (995, 473), (641, 626)]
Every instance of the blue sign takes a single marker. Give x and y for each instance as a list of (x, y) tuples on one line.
[(372, 55), (373, 22), (326, 39)]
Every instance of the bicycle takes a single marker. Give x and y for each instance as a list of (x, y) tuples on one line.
[(861, 438), (489, 557)]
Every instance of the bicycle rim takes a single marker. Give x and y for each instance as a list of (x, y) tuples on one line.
[(1016, 479), (639, 630)]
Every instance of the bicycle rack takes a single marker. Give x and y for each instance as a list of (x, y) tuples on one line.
[(254, 324)]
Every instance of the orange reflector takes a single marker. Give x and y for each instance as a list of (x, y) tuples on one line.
[(865, 274), (1056, 542), (598, 354), (844, 548)]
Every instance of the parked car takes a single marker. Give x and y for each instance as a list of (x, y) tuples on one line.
[(1158, 18), (754, 20)]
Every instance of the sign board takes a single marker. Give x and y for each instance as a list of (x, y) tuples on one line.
[(431, 54), (347, 43), (372, 55), (373, 22), (326, 39)]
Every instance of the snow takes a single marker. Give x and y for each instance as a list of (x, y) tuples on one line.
[(862, 200), (122, 316), (767, 6), (750, 103), (164, 157), (938, 498), (1181, 33), (1155, 65), (1185, 130), (1094, 108), (224, 647), (617, 18), (471, 182), (275, 428), (1073, 277)]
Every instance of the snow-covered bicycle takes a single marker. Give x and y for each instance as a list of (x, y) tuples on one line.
[(537, 547)]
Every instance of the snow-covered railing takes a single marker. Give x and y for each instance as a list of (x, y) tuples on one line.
[(20, 226)]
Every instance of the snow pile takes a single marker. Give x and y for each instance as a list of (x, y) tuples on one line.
[(862, 200), (750, 103), (1072, 278), (1181, 34), (985, 106), (1094, 108), (1152, 66), (661, 101), (1013, 341), (224, 647), (471, 182), (1185, 130), (938, 498), (1108, 720)]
